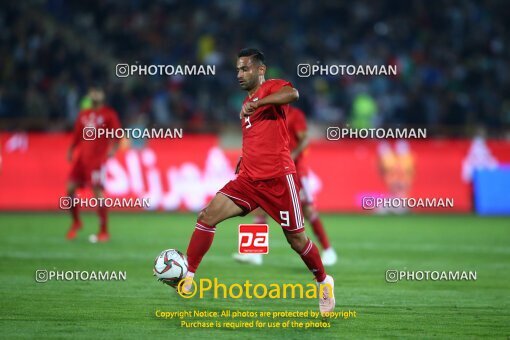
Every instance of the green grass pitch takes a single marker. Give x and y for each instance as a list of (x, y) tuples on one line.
[(368, 246)]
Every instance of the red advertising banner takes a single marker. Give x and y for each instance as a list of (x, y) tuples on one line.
[(183, 174)]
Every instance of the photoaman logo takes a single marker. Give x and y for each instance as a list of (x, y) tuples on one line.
[(249, 290), (253, 239)]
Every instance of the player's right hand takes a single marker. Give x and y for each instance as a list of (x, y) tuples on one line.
[(248, 109)]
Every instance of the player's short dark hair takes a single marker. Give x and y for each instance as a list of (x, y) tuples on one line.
[(253, 53)]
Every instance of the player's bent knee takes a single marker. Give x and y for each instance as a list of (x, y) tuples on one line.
[(218, 210), (202, 215), (206, 217)]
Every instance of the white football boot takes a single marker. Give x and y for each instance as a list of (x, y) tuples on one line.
[(327, 295), (329, 257), (255, 259)]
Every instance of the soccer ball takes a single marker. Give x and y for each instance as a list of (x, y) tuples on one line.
[(170, 267)]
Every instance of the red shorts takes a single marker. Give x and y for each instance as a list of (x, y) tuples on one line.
[(278, 197), (85, 175)]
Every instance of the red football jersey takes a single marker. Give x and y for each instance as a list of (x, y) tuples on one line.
[(265, 137), (94, 152)]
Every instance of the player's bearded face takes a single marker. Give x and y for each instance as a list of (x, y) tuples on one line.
[(248, 73), (97, 97)]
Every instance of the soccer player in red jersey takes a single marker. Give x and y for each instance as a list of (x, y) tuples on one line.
[(89, 158), (267, 176), (296, 122)]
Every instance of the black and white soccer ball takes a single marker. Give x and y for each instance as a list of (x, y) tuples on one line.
[(170, 267)]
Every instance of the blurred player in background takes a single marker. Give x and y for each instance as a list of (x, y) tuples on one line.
[(397, 170), (296, 123), (88, 158), (267, 176)]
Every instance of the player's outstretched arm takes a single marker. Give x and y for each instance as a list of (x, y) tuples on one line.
[(284, 96)]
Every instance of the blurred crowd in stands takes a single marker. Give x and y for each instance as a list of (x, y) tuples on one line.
[(452, 58)]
